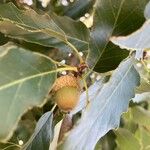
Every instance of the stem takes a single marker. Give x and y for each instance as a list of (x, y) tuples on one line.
[(67, 68), (76, 51), (15, 145), (145, 65), (53, 107), (87, 74)]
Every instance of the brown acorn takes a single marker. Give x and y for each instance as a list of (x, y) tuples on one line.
[(67, 92)]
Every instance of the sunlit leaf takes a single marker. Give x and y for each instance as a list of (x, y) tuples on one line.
[(138, 40), (103, 113)]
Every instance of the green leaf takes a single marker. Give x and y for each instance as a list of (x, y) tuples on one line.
[(144, 86), (128, 122), (138, 40), (126, 140), (143, 91), (109, 58), (25, 80), (42, 135), (113, 17), (107, 142), (140, 116), (45, 30), (143, 135), (103, 113), (3, 39)]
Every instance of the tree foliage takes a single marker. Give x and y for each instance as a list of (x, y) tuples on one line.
[(40, 42)]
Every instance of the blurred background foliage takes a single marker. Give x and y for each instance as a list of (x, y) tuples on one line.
[(134, 130)]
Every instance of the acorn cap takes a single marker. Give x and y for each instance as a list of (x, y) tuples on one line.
[(67, 80)]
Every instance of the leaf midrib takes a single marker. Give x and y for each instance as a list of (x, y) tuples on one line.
[(107, 40), (26, 79)]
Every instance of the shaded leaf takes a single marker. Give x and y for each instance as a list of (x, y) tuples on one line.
[(113, 17), (103, 113), (109, 59), (107, 142), (126, 140), (3, 39), (45, 30), (4, 146), (74, 10), (25, 80), (42, 135)]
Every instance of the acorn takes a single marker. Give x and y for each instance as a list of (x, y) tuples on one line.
[(67, 92)]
